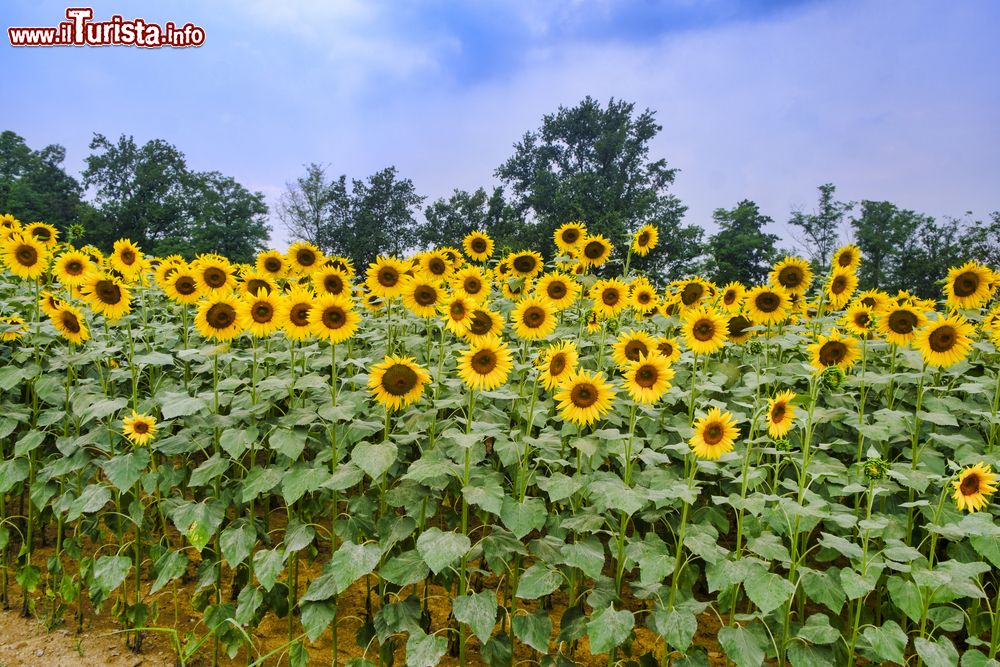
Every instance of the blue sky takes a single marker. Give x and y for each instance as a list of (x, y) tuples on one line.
[(760, 100)]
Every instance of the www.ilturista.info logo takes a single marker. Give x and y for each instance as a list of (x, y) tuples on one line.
[(81, 30)]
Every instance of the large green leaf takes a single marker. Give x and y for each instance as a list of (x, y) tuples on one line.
[(742, 645), (478, 611), (439, 548), (534, 629), (374, 457), (609, 628), (887, 642), (350, 563), (536, 581)]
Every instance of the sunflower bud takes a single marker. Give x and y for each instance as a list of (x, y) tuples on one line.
[(754, 346), (74, 232), (782, 444), (832, 377), (875, 468)]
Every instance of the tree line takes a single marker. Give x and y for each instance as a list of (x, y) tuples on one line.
[(590, 162)]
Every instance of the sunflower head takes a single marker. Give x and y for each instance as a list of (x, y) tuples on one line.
[(875, 468), (780, 414), (969, 286), (834, 350), (793, 274), (556, 363), (219, 318), (43, 232), (974, 487), (139, 429), (595, 251), (584, 397), (25, 256), (649, 378), (385, 277), (945, 342), (478, 246), (303, 258), (645, 239), (705, 330), (767, 304), (485, 365), (397, 381), (333, 318), (533, 318), (569, 236), (847, 258), (714, 435)]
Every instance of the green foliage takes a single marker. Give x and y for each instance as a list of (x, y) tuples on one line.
[(821, 229), (741, 249), (34, 185)]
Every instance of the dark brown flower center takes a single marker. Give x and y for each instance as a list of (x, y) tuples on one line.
[(478, 245), (472, 285), (729, 298), (610, 296), (457, 310), (399, 379), (41, 233), (593, 250), (481, 323), (333, 284), (634, 349), (943, 338), (643, 297), (127, 257), (26, 255), (767, 302), (221, 316), (691, 293), (140, 427), (108, 292), (790, 276), (70, 322), (646, 376), (778, 413), (437, 266), (839, 285), (533, 317), (305, 257), (299, 314), (185, 285), (970, 484), (557, 364), (862, 320), (713, 433), (556, 290), (832, 353), (703, 330), (255, 285), (524, 263), (272, 265), (388, 276), (570, 235), (846, 258), (583, 394), (425, 295), (214, 277), (262, 312), (484, 361), (903, 322), (643, 239), (738, 326), (665, 348), (966, 284), (334, 317), (74, 267)]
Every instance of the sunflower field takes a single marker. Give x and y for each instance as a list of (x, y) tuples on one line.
[(473, 456)]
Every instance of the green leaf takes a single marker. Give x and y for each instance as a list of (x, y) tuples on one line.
[(199, 521), (534, 630), (247, 605), (13, 472), (209, 470), (887, 642), (235, 442), (817, 630), (288, 442), (769, 545), (938, 418), (179, 405), (587, 555), (301, 480), (101, 409), (258, 481), (559, 486), (742, 646), (522, 518), (906, 596), (28, 442), (298, 536), (855, 585), (93, 498), (108, 574), (824, 588), (405, 569), (350, 563), (767, 590), (374, 457), (124, 471), (536, 581), (975, 658), (267, 565), (676, 627), (316, 618), (845, 547), (168, 567), (487, 494), (940, 653), (609, 628), (440, 549), (424, 650), (237, 542), (297, 655), (478, 611)]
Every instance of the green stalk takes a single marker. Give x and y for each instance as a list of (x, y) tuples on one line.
[(463, 569)]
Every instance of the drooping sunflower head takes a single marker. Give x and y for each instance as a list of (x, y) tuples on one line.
[(49, 302), (632, 346), (9, 225), (569, 235), (840, 286), (126, 259), (969, 286), (974, 487), (43, 232), (260, 313), (645, 239), (303, 258), (422, 297), (595, 250), (560, 289), (25, 256), (834, 350), (705, 330), (484, 323), (767, 304), (780, 414), (556, 363), (219, 317), (397, 381), (385, 277), (139, 429), (69, 322), (610, 297), (485, 365), (847, 258), (731, 297), (478, 246), (584, 397), (739, 329), (945, 342), (12, 327), (792, 273), (526, 264), (533, 318), (714, 435), (333, 318), (648, 379)]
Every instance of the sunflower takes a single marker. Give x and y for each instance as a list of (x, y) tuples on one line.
[(533, 318), (9, 224), (272, 263), (642, 296), (668, 349), (72, 267), (780, 414), (294, 314), (106, 296), (343, 264), (944, 342), (645, 240), (49, 303), (435, 265), (595, 251), (859, 320), (561, 290), (139, 429), (214, 274), (422, 296), (42, 232), (385, 277), (991, 323), (766, 304), (847, 258), (333, 318), (792, 273), (254, 282), (670, 306), (610, 297), (69, 322), (260, 313), (834, 350), (219, 317), (648, 379), (973, 487), (584, 397), (25, 256), (714, 435), (594, 323), (526, 264), (478, 246), (839, 287), (12, 328), (705, 330), (873, 298), (471, 282), (303, 258), (397, 381), (968, 286), (126, 259), (457, 311), (182, 286), (452, 255), (556, 362), (166, 267), (732, 296), (569, 235), (632, 346), (898, 324), (485, 365), (739, 332), (484, 324)]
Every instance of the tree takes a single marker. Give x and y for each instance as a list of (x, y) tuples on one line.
[(883, 231), (822, 228), (741, 249), (592, 163), (225, 217), (382, 218), (34, 185), (314, 209), (448, 221)]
